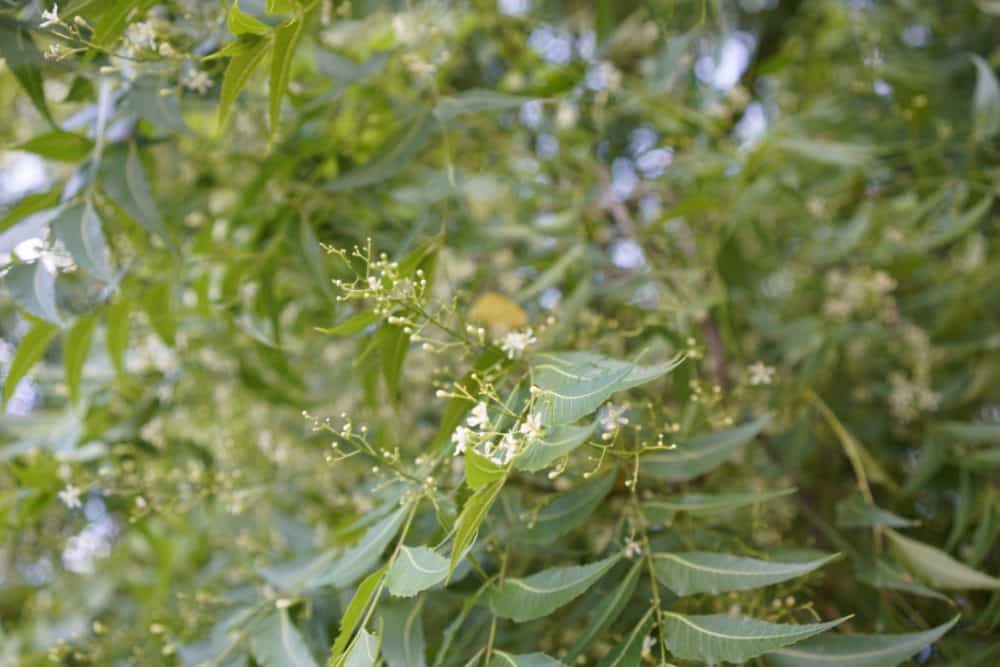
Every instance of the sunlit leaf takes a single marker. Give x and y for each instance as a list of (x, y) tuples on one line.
[(415, 569), (692, 572), (237, 75), (76, 347), (59, 145), (29, 351), (286, 40), (363, 598), (542, 593)]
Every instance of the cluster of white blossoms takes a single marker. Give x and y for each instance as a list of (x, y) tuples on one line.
[(70, 496), (516, 342), (760, 373), (477, 432)]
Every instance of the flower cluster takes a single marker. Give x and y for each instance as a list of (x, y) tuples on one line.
[(479, 432)]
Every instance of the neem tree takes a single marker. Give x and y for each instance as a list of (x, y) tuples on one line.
[(517, 333)]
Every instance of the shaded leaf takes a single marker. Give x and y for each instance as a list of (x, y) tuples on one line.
[(697, 504), (241, 66), (76, 347), (114, 18), (542, 593), (29, 352), (24, 60), (275, 642), (722, 638), (628, 653), (568, 510), (702, 453), (985, 101), (938, 568), (365, 651), (117, 331), (415, 569), (692, 572), (123, 179), (403, 633), (59, 145), (33, 287), (402, 152), (80, 230), (854, 512), (393, 344), (476, 101), (607, 611), (504, 659), (286, 39), (858, 650)]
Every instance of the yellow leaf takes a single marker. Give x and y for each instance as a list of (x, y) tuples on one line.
[(497, 310)]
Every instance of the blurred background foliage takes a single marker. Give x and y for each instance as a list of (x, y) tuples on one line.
[(805, 186)]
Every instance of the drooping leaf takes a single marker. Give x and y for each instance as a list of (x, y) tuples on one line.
[(76, 347), (123, 179), (468, 522), (985, 101), (717, 638), (606, 612), (706, 504), (158, 304), (29, 205), (881, 574), (542, 593), (241, 23), (117, 331), (286, 40), (59, 145), (568, 510), (480, 471), (393, 343), (575, 384), (388, 164), (702, 453), (355, 612), (857, 650), (854, 512), (24, 60), (476, 101), (365, 651), (938, 568), (833, 153), (29, 352), (865, 465), (692, 572), (33, 287), (628, 653), (276, 642), (416, 569), (241, 66), (557, 442), (80, 230), (504, 659), (403, 633), (352, 325)]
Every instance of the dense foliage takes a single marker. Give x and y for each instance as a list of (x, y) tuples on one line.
[(499, 333)]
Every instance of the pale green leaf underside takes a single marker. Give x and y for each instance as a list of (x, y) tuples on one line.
[(938, 568), (544, 592), (693, 572), (722, 638), (33, 288), (503, 659), (415, 569), (702, 453), (697, 504), (558, 442), (857, 650), (365, 651), (275, 642), (403, 642)]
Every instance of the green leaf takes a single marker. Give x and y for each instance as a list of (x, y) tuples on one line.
[(403, 633), (24, 60), (403, 151), (855, 512), (241, 23), (504, 659), (574, 384), (355, 612), (607, 611), (542, 593), (365, 651), (480, 471), (970, 432), (312, 256), (157, 303), (352, 325), (393, 343), (697, 504), (146, 101), (76, 347), (833, 153), (59, 145), (280, 6), (472, 516), (693, 572), (416, 569), (123, 179), (29, 352), (117, 331), (719, 637), (286, 39), (476, 101), (237, 74), (115, 17), (938, 568), (29, 205), (558, 441), (985, 101), (880, 574), (33, 287), (568, 510), (628, 653), (858, 650), (80, 230), (702, 453), (275, 642)]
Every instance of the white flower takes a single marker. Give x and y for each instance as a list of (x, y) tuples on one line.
[(613, 417), (760, 373), (461, 438), (50, 18), (478, 417), (647, 646), (632, 549), (166, 50), (531, 427), (515, 342), (70, 496), (142, 35), (505, 451), (199, 82)]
